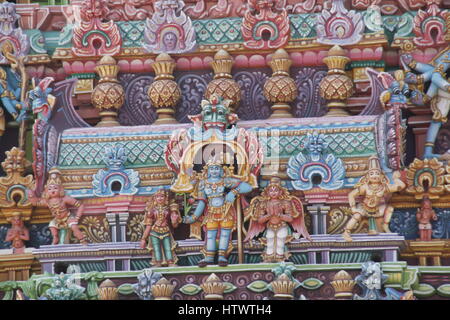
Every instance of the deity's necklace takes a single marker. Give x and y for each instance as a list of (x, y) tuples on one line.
[(55, 206), (215, 185), (377, 188)]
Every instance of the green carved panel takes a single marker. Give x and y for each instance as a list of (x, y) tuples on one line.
[(139, 264), (350, 257), (348, 144), (132, 33), (140, 153), (215, 31), (303, 26)]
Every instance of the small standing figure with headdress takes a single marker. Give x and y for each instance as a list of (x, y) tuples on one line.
[(375, 189), (275, 212), (424, 216), (160, 216), (59, 203), (18, 233)]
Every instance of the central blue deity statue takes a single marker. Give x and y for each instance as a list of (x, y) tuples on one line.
[(230, 159), (216, 195)]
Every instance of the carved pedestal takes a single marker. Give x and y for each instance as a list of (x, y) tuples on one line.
[(428, 249), (15, 267)]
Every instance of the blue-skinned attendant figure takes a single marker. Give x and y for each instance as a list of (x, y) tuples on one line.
[(438, 92), (216, 207), (10, 94)]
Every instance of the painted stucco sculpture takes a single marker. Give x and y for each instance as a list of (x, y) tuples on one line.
[(437, 93), (59, 204), (160, 217), (314, 167), (265, 25), (375, 189), (276, 213), (141, 139), (169, 30)]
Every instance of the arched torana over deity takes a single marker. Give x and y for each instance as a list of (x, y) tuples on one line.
[(169, 30), (230, 159)]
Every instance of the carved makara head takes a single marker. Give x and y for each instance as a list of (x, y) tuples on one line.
[(15, 161), (8, 17), (372, 273), (215, 114), (146, 280), (115, 157), (315, 145)]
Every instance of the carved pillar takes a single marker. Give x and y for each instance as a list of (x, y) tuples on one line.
[(111, 217), (319, 214), (108, 96), (223, 84), (336, 87), (118, 226), (164, 92), (123, 218), (280, 89)]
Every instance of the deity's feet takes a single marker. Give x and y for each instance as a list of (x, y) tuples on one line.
[(156, 264), (204, 262), (171, 264), (223, 262), (347, 237)]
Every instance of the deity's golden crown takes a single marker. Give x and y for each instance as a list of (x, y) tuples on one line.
[(54, 177), (219, 160), (275, 181), (374, 164)]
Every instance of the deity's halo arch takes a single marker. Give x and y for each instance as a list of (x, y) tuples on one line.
[(182, 183)]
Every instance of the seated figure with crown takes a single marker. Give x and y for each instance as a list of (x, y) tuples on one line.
[(59, 204), (216, 208), (375, 189), (274, 213)]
